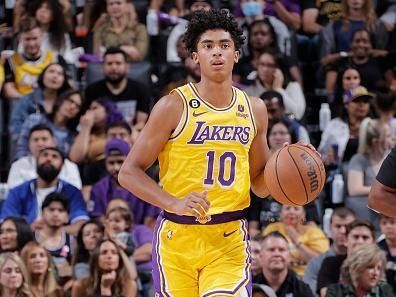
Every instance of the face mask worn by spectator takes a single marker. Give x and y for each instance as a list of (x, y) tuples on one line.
[(251, 9)]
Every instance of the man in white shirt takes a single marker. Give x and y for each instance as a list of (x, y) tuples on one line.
[(24, 169)]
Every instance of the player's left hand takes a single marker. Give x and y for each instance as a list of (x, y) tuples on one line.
[(308, 145)]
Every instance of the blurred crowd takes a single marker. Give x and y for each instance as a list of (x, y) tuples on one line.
[(78, 80)]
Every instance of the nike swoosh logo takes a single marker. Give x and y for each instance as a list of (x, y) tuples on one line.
[(228, 234), (197, 114)]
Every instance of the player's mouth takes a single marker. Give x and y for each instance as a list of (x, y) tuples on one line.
[(217, 63)]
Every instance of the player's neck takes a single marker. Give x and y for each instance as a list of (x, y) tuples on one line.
[(219, 94)]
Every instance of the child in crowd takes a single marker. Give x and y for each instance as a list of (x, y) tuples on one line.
[(55, 214), (117, 226)]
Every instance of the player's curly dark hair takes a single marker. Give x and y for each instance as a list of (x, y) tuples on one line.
[(202, 21)]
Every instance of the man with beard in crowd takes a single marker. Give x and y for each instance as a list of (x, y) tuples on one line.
[(26, 199), (131, 97)]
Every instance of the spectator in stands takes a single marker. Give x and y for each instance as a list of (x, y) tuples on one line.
[(339, 220), (22, 69), (15, 233), (279, 132), (276, 111), (376, 73), (55, 213), (118, 224), (107, 274), (13, 277), (343, 131), (131, 97), (62, 121), (90, 142), (375, 142), (388, 245), (316, 15), (255, 248), (90, 233), (24, 169), (39, 266), (120, 130), (26, 199), (336, 36), (347, 77), (275, 260), (53, 22), (271, 75), (306, 241), (288, 11), (262, 36), (262, 291), (179, 29), (108, 188), (51, 82), (142, 237), (358, 233), (363, 272), (122, 29), (385, 107)]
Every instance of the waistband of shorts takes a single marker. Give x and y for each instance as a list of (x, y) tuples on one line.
[(211, 219)]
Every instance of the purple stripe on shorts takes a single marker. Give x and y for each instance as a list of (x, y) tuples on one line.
[(158, 273), (247, 280)]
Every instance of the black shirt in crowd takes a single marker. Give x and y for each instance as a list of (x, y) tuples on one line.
[(329, 10), (390, 264), (291, 287), (330, 271), (135, 97)]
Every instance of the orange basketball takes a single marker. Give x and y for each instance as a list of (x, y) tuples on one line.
[(294, 175)]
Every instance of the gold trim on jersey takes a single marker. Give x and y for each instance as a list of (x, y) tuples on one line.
[(184, 118), (250, 112)]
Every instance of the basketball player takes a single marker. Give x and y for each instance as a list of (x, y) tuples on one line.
[(210, 139), (382, 197)]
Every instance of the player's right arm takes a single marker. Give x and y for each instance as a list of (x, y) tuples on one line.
[(163, 120)]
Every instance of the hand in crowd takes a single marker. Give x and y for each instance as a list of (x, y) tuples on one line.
[(278, 79), (37, 224), (292, 233), (87, 120), (106, 282), (378, 53)]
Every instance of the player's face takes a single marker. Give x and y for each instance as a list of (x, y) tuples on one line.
[(266, 68), (216, 55), (39, 140), (55, 215), (278, 135), (11, 275), (119, 132), (350, 78), (388, 228), (359, 236), (275, 254), (115, 223), (260, 36), (31, 42), (108, 257), (255, 248), (37, 262), (54, 77), (8, 236), (338, 229), (113, 165), (292, 215), (370, 276), (91, 236)]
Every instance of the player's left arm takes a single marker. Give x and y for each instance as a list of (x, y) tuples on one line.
[(259, 151)]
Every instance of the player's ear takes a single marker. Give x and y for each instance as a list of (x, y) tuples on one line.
[(236, 56), (194, 57)]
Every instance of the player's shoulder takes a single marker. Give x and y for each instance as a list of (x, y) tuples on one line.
[(259, 112)]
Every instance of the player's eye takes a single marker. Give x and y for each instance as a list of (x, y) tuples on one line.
[(225, 45)]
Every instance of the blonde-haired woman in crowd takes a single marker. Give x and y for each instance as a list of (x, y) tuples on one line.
[(38, 262), (14, 279), (375, 141), (363, 273)]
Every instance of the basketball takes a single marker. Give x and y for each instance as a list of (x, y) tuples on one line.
[(294, 175)]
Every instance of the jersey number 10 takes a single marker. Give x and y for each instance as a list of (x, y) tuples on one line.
[(225, 180)]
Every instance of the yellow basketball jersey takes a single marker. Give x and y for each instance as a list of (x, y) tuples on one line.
[(27, 72), (209, 150)]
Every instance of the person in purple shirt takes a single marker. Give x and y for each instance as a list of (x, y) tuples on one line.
[(108, 188), (288, 11)]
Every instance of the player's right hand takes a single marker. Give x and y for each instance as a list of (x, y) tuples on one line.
[(194, 204)]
